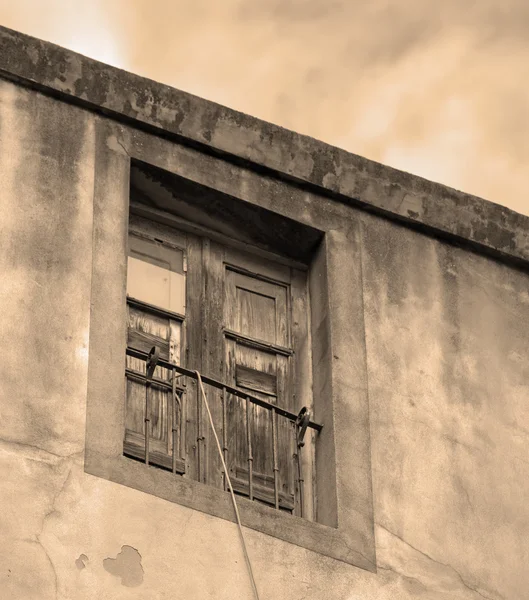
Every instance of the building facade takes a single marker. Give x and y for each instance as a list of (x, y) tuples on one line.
[(355, 337)]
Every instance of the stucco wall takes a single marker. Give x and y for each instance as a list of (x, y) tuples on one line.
[(46, 175), (448, 386), (447, 334)]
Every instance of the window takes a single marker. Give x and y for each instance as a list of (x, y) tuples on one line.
[(219, 230), (156, 311), (240, 332)]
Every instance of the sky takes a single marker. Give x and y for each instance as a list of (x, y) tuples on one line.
[(438, 89)]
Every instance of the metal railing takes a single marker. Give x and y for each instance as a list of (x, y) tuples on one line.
[(301, 421)]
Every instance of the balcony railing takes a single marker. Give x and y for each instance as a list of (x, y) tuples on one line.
[(300, 422)]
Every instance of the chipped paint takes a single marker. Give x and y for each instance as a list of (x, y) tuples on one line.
[(126, 566)]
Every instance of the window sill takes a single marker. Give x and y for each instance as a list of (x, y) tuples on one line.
[(329, 541)]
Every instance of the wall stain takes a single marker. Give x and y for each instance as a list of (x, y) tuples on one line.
[(127, 566)]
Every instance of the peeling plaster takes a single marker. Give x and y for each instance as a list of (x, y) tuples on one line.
[(127, 566)]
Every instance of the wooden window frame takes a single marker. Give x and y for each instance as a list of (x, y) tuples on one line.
[(235, 264), (134, 443)]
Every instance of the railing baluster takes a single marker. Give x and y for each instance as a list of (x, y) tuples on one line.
[(183, 430), (150, 368), (301, 482), (147, 419), (299, 424), (224, 436), (199, 434), (295, 478), (302, 422), (174, 420), (249, 447), (274, 453)]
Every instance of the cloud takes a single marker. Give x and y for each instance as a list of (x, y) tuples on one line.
[(80, 26)]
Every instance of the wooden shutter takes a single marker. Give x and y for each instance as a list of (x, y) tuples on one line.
[(156, 303), (256, 315)]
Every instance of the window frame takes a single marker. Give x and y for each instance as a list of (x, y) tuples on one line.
[(135, 448), (345, 530), (237, 263)]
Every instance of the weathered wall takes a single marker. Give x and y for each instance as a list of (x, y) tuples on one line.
[(46, 175), (448, 377), (176, 114), (447, 334)]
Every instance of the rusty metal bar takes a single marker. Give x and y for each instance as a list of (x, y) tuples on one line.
[(174, 419), (301, 482), (199, 434), (147, 419), (302, 422), (224, 436), (150, 366), (134, 375), (298, 492), (230, 389), (183, 430), (274, 456), (249, 446)]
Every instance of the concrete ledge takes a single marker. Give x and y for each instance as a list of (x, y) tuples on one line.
[(328, 541), (170, 112)]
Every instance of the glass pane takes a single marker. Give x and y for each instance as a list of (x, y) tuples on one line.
[(155, 275)]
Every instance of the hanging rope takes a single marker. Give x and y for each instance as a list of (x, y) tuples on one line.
[(237, 516)]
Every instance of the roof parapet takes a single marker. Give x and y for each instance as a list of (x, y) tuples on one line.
[(325, 169)]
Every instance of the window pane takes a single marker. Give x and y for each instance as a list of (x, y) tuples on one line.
[(155, 275)]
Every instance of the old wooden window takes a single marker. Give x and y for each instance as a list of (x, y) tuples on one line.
[(156, 310), (236, 317), (258, 352)]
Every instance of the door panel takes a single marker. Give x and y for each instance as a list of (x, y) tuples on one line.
[(256, 380), (256, 315), (258, 310), (146, 330), (254, 369), (161, 417)]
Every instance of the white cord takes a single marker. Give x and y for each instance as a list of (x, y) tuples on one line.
[(237, 516)]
